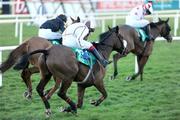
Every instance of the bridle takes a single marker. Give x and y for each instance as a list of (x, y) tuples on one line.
[(111, 46), (161, 33)]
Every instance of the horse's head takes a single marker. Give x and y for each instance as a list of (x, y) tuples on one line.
[(112, 38), (118, 39), (70, 21), (165, 29)]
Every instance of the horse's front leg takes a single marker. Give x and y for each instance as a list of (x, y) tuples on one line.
[(26, 76), (80, 91), (141, 63), (100, 87), (116, 57), (62, 93), (40, 89)]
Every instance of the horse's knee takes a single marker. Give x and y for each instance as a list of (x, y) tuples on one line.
[(25, 74), (105, 95), (39, 90)]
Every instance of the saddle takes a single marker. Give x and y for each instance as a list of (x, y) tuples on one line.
[(84, 56)]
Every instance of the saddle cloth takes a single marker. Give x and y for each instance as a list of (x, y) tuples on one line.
[(84, 56), (142, 34)]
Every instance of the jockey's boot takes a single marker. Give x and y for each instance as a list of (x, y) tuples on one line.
[(150, 36), (103, 61)]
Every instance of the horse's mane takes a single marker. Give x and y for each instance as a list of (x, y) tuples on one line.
[(155, 24), (106, 34)]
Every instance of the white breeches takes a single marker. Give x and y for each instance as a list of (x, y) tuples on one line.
[(71, 41), (136, 23), (48, 34)]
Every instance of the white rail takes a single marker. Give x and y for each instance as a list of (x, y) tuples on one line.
[(19, 22)]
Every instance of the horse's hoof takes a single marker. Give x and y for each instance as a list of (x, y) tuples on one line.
[(129, 78), (68, 110), (48, 113), (94, 102), (74, 112), (27, 95), (65, 109)]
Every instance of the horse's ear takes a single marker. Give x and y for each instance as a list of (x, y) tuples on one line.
[(109, 28), (72, 19), (78, 19), (159, 19), (117, 29), (167, 20)]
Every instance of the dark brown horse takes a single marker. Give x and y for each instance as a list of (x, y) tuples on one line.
[(60, 62), (28, 46), (141, 49)]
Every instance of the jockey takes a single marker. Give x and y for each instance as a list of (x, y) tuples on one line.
[(53, 29), (136, 17), (75, 35)]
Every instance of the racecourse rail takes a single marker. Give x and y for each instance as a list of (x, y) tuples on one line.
[(20, 19)]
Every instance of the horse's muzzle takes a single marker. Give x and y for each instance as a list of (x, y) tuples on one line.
[(169, 38)]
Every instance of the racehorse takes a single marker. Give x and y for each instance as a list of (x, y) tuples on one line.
[(28, 46), (141, 49), (61, 63)]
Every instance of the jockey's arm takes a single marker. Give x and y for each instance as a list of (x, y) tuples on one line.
[(81, 33)]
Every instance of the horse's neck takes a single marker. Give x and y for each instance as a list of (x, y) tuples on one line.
[(104, 50), (155, 31)]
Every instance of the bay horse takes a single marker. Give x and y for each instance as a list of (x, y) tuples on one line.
[(60, 62), (141, 49), (32, 44)]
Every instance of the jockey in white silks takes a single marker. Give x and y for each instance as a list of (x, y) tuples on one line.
[(75, 35), (136, 16)]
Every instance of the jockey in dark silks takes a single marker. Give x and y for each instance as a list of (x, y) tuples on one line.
[(52, 29)]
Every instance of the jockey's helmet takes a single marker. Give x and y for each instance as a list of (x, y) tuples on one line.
[(90, 25), (62, 17), (148, 7)]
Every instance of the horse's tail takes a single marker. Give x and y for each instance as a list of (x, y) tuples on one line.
[(24, 59), (13, 57)]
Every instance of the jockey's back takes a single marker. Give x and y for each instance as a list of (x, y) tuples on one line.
[(137, 13), (78, 30)]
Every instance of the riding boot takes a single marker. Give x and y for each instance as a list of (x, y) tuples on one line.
[(103, 61), (150, 36)]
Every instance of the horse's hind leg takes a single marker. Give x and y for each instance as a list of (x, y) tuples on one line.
[(26, 76), (62, 93), (40, 88), (102, 90), (141, 63), (81, 91)]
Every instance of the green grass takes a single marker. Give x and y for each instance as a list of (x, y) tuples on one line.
[(155, 98)]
